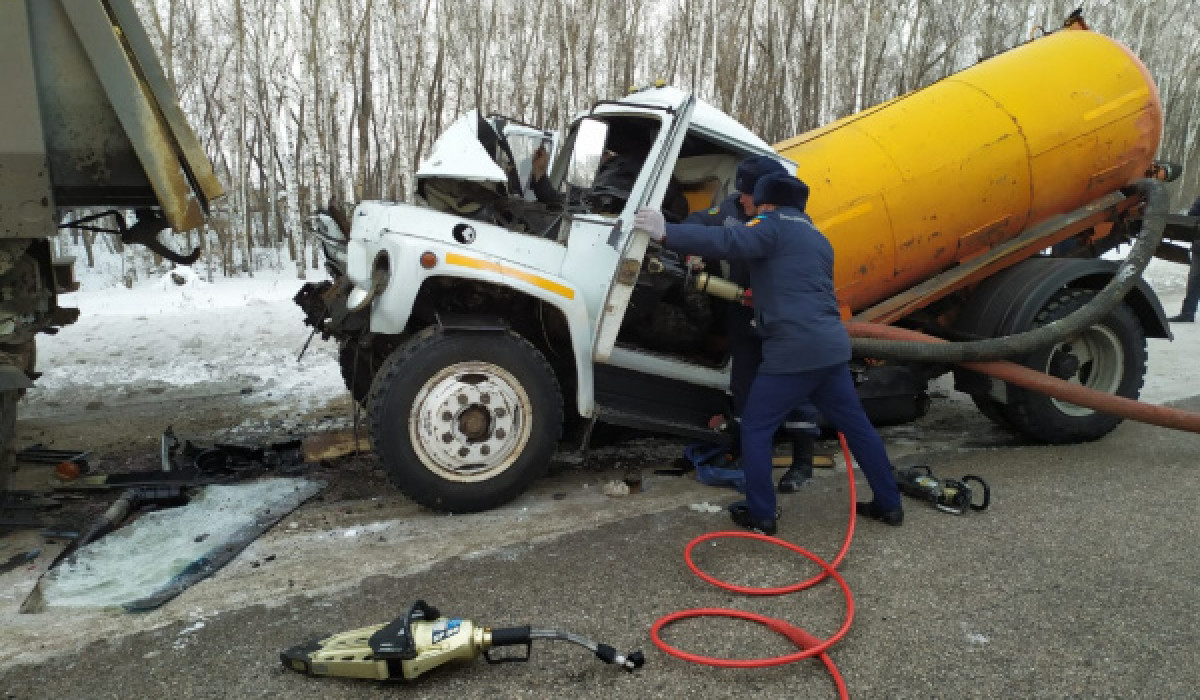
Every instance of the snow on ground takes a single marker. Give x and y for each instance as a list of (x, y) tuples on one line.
[(178, 334)]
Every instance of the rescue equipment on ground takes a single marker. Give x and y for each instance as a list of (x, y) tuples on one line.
[(807, 644), (421, 640), (953, 496)]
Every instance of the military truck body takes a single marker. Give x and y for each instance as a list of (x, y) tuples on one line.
[(89, 125)]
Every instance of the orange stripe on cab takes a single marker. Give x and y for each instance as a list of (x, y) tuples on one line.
[(501, 269)]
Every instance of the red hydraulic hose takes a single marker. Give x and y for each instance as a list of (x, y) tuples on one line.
[(809, 644), (1163, 416)]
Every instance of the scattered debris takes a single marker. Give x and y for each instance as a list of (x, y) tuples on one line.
[(616, 489), (18, 511), (186, 464), (37, 454), (334, 444), (18, 560), (230, 460), (143, 565), (129, 501), (705, 507)]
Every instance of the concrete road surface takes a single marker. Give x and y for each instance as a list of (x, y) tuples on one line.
[(1082, 580)]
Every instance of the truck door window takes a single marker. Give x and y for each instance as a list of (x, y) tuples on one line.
[(629, 141)]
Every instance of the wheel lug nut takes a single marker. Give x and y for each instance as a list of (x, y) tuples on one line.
[(462, 399), (446, 415), (485, 398), (500, 412), (485, 450), (447, 437), (500, 433), (463, 452)]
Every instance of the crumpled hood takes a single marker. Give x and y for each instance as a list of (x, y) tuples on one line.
[(458, 155)]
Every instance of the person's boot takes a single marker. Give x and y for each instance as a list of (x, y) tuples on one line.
[(802, 463), (1183, 317), (887, 517), (739, 513)]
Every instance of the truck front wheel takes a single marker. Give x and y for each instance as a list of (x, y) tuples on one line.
[(465, 422), (1110, 357)]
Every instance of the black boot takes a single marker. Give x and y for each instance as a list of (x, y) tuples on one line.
[(887, 517), (739, 513), (802, 467)]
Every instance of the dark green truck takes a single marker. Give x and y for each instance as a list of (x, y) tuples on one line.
[(88, 125)]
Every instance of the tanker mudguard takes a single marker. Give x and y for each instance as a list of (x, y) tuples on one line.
[(1009, 301)]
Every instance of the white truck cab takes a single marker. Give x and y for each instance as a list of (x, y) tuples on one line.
[(473, 326)]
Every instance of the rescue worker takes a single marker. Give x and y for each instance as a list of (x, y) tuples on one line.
[(1191, 297), (745, 344), (806, 350)]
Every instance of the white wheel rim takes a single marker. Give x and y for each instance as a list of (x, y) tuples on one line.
[(1101, 365), (470, 421)]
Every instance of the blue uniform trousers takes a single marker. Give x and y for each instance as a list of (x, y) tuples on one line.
[(831, 390), (746, 351)]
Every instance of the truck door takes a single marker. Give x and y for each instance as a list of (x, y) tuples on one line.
[(632, 244)]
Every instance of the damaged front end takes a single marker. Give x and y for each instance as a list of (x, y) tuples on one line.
[(326, 304), (339, 308)]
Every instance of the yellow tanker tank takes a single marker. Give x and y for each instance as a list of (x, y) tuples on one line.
[(912, 187)]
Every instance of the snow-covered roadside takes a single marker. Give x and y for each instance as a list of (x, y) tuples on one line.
[(163, 338)]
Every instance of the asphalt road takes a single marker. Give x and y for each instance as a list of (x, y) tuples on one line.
[(1081, 581)]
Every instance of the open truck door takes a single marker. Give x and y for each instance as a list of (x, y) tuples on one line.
[(633, 243)]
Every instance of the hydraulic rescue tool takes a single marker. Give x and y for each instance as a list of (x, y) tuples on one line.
[(421, 640), (947, 495)]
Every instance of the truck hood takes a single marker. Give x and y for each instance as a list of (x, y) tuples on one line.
[(375, 220)]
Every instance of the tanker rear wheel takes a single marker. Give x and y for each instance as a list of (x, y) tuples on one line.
[(992, 409), (1110, 357)]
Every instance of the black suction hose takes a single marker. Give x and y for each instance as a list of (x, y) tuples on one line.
[(1128, 274)]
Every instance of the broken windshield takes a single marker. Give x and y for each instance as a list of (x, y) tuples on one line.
[(482, 168)]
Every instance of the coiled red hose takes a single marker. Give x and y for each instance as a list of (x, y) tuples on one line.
[(809, 644)]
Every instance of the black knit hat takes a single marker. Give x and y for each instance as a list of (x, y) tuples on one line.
[(752, 169), (782, 191)]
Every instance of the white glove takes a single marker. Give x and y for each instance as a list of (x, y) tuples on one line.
[(651, 221)]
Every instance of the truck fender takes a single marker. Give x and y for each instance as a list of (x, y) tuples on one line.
[(573, 310), (1008, 302), (470, 323)]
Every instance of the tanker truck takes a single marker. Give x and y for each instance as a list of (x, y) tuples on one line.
[(477, 325), (91, 133)]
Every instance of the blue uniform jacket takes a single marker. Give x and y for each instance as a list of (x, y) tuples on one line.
[(728, 211), (791, 272)]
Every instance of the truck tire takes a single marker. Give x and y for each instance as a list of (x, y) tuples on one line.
[(464, 422), (1110, 356), (993, 410)]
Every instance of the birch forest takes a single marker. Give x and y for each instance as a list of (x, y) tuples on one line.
[(303, 101)]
